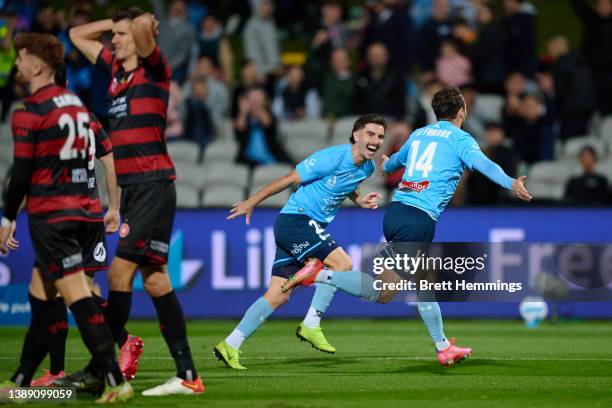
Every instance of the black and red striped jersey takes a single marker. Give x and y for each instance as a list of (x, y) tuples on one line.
[(138, 102), (101, 147), (51, 131)]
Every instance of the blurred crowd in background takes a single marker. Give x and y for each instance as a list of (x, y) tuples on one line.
[(244, 71)]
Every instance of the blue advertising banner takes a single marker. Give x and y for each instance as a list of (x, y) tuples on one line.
[(220, 267)]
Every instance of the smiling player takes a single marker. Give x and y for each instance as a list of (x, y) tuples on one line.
[(326, 179)]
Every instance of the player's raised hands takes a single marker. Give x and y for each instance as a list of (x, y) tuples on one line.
[(519, 190), (242, 208), (7, 238), (381, 169), (369, 200)]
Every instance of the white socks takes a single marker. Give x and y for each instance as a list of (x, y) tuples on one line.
[(442, 345), (312, 319), (235, 339), (324, 276)]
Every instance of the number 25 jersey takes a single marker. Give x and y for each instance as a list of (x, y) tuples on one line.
[(51, 131)]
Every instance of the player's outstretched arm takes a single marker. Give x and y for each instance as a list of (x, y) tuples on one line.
[(144, 29), (495, 173), (247, 206), (85, 37), (111, 219)]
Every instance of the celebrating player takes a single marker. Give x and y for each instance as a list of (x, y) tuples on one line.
[(51, 162), (138, 95), (435, 157), (325, 179)]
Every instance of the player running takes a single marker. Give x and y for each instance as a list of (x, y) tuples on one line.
[(325, 180), (51, 161), (435, 157), (138, 97)]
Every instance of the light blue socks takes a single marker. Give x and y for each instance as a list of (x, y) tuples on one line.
[(254, 317)]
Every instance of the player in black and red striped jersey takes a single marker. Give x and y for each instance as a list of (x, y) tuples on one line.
[(51, 147), (138, 97)]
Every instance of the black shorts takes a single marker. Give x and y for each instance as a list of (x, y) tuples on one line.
[(148, 211), (67, 247), (298, 238), (95, 255)]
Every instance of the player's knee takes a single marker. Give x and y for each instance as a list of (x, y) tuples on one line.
[(157, 284), (277, 300), (343, 265), (119, 281)]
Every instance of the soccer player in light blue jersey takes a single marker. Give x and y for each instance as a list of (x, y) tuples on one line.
[(435, 157), (325, 180)]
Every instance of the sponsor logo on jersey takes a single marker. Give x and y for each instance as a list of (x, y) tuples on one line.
[(298, 248), (409, 186)]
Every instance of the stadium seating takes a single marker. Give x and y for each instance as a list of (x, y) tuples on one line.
[(277, 200), (299, 149), (573, 146), (221, 150), (605, 131), (547, 180), (488, 108), (187, 197), (342, 130), (226, 173), (183, 150), (264, 174), (304, 129), (222, 196), (190, 174)]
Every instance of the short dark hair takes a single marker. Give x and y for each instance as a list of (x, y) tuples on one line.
[(589, 149), (363, 120), (129, 13), (44, 46), (60, 76), (447, 103)]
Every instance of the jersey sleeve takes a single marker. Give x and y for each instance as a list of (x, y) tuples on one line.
[(157, 66), (103, 143), (316, 166), (105, 60), (23, 124), (399, 158), (468, 150)]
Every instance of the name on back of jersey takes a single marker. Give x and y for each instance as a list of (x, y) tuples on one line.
[(433, 132), (61, 101)]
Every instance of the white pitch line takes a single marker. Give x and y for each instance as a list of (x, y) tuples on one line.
[(375, 358)]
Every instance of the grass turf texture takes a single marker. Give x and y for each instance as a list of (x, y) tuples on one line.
[(386, 362)]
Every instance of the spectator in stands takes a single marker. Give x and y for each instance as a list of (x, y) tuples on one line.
[(452, 67), (521, 37), (46, 20), (213, 44), (176, 37), (481, 190), (260, 39), (217, 94), (380, 88), (397, 134), (489, 53), (255, 130), (437, 28), (198, 119), (531, 129), (339, 86), (573, 87), (597, 47), (7, 60), (590, 188), (174, 116), (329, 35), (78, 69), (421, 110), (249, 78), (295, 98), (515, 86), (389, 24)]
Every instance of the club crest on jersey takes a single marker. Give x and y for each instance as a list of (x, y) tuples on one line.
[(124, 230), (409, 186)]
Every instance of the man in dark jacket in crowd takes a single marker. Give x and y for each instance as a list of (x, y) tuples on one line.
[(521, 37), (590, 188)]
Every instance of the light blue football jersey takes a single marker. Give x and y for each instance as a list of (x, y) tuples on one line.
[(435, 157), (328, 177)]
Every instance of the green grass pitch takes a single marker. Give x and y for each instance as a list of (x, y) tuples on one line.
[(380, 363)]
